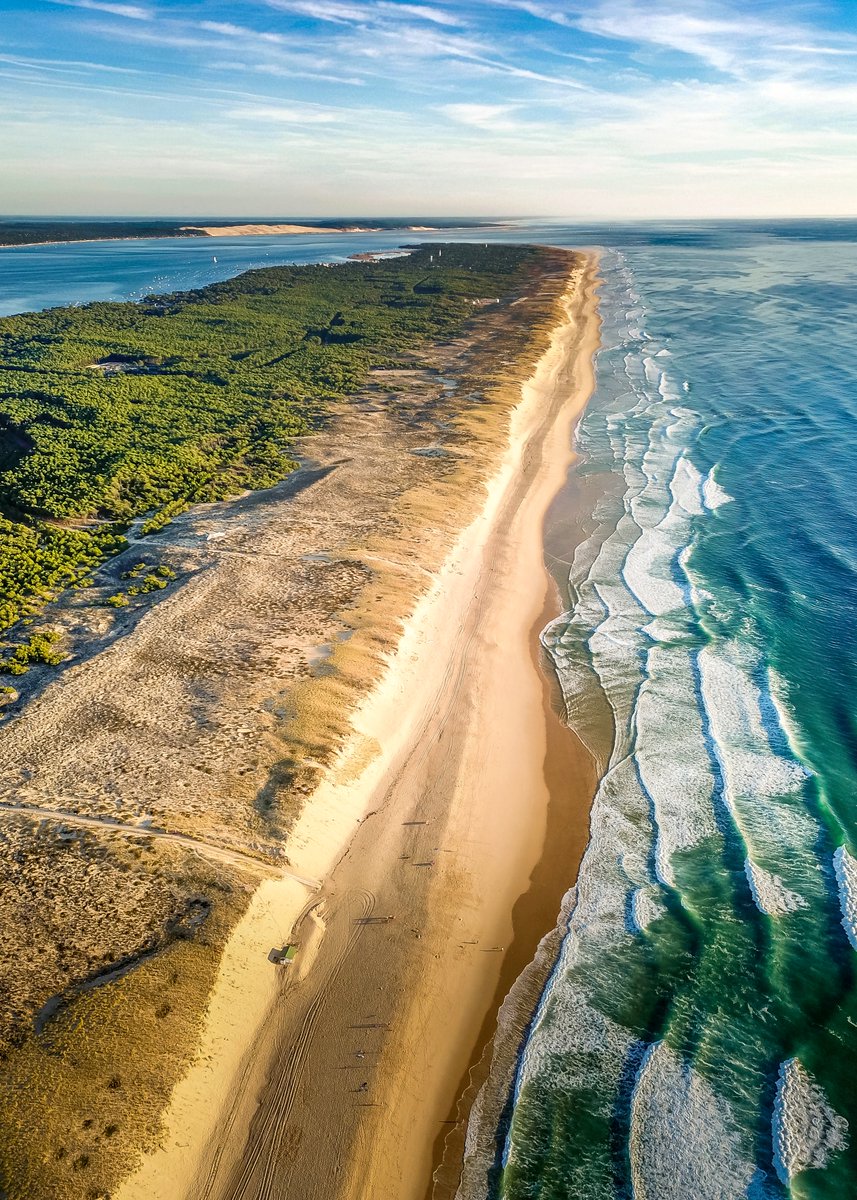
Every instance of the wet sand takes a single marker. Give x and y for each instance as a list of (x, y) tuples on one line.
[(571, 776)]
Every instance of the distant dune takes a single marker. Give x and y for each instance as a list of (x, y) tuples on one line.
[(245, 230)]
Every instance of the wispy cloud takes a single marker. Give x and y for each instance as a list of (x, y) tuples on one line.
[(69, 64), (494, 117), (285, 116), (132, 12), (543, 12), (279, 71), (423, 12), (340, 12), (597, 106), (555, 81), (323, 10), (718, 39), (847, 51), (229, 30), (731, 38)]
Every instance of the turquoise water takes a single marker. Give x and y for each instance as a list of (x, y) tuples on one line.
[(698, 1036)]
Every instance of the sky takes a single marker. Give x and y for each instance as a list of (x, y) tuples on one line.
[(603, 110)]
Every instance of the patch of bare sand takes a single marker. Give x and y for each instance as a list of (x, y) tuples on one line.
[(348, 1083), (265, 230)]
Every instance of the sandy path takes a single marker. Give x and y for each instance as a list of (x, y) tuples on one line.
[(220, 854), (351, 1078)]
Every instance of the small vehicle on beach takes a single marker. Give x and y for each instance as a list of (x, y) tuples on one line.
[(283, 956)]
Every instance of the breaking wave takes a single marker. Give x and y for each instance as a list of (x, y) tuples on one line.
[(655, 1053)]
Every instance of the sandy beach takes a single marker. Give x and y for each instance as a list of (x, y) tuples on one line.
[(338, 1078), (216, 231), (251, 230), (268, 230)]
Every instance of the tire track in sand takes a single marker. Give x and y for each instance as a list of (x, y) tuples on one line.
[(264, 1150)]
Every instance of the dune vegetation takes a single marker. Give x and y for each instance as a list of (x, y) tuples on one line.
[(115, 411)]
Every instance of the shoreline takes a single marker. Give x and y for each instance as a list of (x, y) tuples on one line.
[(189, 237), (205, 234), (202, 236), (571, 777), (279, 230), (418, 756)]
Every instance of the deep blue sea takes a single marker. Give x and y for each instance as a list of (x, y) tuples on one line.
[(697, 1039)]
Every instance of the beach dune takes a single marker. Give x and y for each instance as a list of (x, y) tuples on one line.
[(266, 230)]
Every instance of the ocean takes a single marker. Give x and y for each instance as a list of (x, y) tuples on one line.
[(697, 1037), (698, 1034)]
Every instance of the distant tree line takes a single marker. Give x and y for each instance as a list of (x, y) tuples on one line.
[(21, 233), (29, 232)]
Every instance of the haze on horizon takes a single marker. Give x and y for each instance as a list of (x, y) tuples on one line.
[(610, 109)]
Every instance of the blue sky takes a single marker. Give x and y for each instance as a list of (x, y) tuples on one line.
[(604, 109)]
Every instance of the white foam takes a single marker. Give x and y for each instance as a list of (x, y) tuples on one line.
[(751, 769), (686, 485), (646, 907), (576, 1034), (567, 1028), (634, 624), (615, 617), (770, 893), (845, 867), (684, 1140), (653, 371), (765, 774), (635, 480), (672, 757), (649, 569), (647, 573), (572, 1041), (713, 495), (807, 1131), (668, 388)]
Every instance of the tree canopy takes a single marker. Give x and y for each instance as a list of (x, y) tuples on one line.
[(111, 411)]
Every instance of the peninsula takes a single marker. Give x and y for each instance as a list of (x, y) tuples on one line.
[(272, 567)]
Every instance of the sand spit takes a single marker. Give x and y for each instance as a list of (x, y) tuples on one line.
[(433, 814), (263, 230), (267, 230), (240, 231)]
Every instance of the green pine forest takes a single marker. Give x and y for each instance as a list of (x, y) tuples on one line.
[(116, 411)]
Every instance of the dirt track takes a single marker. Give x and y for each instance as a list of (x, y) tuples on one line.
[(219, 854)]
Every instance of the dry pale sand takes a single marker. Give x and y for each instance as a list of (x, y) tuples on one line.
[(435, 814), (264, 230)]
